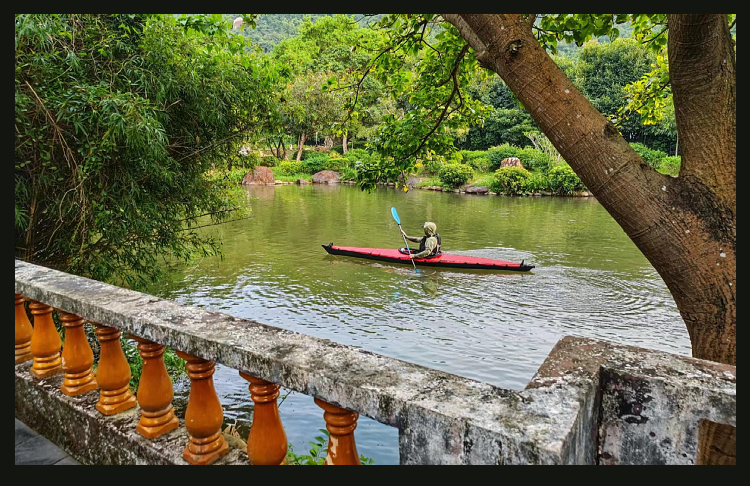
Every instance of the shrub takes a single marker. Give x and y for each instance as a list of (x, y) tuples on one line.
[(468, 155), (455, 174), (537, 182), (337, 163), (670, 166), (653, 157), (433, 165), (269, 161), (510, 180), (289, 167), (314, 162), (535, 159), (348, 174), (359, 155), (564, 181), (500, 153), (482, 164)]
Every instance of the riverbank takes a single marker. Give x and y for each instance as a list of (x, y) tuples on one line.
[(479, 185)]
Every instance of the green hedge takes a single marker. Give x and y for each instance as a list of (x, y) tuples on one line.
[(289, 167), (269, 161), (653, 157), (564, 181), (511, 180), (454, 175), (670, 166)]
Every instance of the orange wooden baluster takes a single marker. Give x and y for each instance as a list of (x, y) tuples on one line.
[(266, 444), (340, 422), (204, 416), (113, 373), (24, 331), (45, 342), (155, 392), (77, 358)]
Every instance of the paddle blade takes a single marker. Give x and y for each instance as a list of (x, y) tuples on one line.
[(395, 216)]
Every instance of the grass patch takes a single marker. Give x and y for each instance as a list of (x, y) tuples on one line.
[(483, 179), (293, 177), (434, 181)]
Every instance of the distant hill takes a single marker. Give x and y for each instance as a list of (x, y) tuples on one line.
[(273, 28)]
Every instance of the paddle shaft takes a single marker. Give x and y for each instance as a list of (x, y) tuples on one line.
[(407, 247)]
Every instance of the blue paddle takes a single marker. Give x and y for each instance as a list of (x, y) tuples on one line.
[(398, 222)]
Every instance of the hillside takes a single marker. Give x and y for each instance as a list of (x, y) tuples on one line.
[(273, 28)]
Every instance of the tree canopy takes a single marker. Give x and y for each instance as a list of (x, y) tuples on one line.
[(117, 118)]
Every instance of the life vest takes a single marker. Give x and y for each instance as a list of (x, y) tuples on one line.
[(422, 245)]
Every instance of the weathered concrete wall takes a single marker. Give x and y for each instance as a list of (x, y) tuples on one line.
[(652, 417), (648, 404), (582, 406), (74, 424)]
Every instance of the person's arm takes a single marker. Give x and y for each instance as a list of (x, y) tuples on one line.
[(411, 238), (429, 246)]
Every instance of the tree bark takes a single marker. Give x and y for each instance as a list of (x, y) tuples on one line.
[(345, 142), (685, 226), (302, 139)]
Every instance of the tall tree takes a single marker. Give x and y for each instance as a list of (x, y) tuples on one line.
[(686, 225), (117, 119)]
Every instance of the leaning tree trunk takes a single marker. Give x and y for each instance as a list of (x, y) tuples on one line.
[(345, 142), (685, 226), (704, 84), (302, 139)]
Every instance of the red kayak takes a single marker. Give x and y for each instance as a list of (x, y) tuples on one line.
[(441, 260)]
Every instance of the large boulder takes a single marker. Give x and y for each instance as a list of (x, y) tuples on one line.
[(260, 176), (477, 190), (511, 162), (326, 177)]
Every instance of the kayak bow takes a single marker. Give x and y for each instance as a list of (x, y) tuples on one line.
[(442, 260)]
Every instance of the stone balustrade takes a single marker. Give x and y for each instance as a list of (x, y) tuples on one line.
[(591, 402)]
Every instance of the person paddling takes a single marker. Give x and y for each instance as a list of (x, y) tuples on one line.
[(429, 245)]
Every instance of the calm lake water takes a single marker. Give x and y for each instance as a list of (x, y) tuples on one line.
[(590, 280)]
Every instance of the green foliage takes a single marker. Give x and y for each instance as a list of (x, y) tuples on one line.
[(653, 157), (316, 456), (454, 175), (336, 163), (501, 126), (175, 365), (478, 160), (551, 29), (348, 174), (497, 154), (670, 166), (564, 181), (269, 161), (289, 167), (424, 82), (534, 159), (359, 155), (314, 162), (537, 182), (117, 119), (226, 176), (628, 82), (510, 180)]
